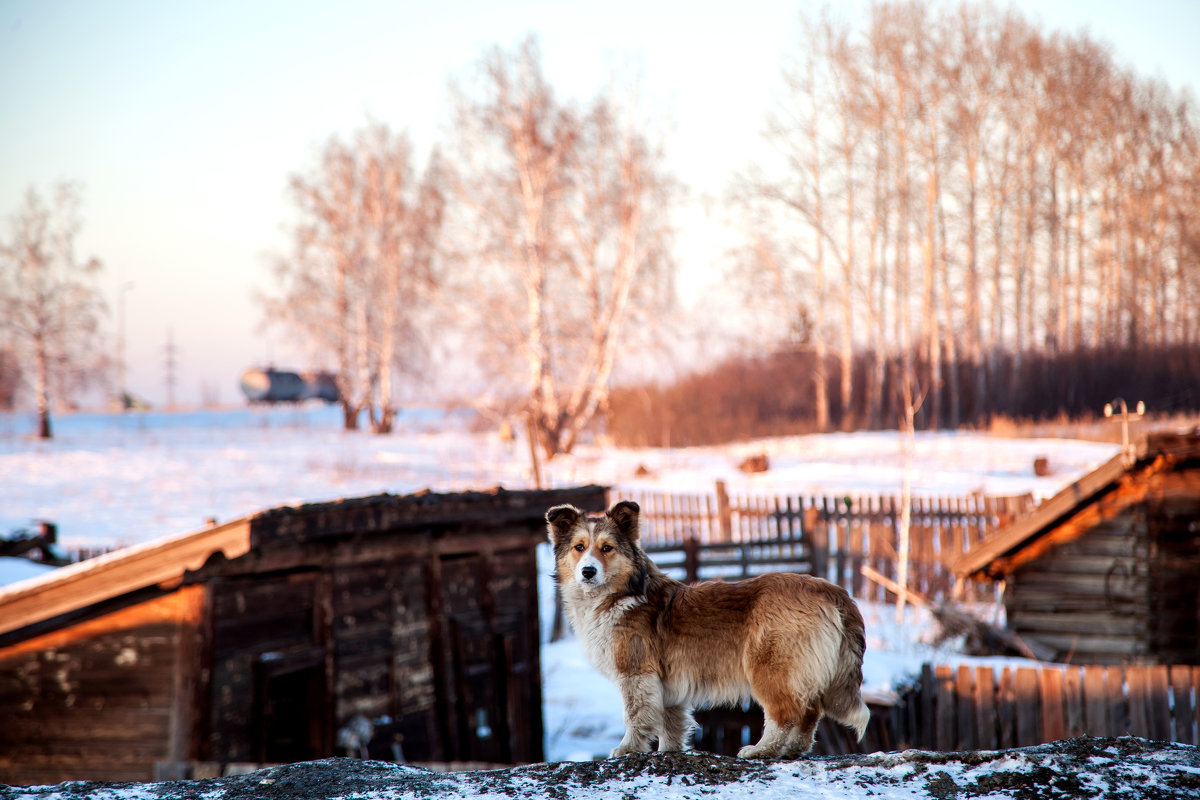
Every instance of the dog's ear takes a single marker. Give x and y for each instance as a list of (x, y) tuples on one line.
[(625, 516), (560, 520)]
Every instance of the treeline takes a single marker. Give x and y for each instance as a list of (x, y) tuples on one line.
[(957, 187), (771, 395)]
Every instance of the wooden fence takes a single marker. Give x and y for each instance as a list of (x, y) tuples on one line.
[(718, 534), (982, 708), (978, 708)]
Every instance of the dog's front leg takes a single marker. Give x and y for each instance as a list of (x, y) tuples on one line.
[(642, 696)]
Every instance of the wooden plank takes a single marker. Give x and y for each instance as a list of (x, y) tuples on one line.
[(1182, 708), (985, 709), (1196, 704), (1096, 722), (1087, 648), (1025, 704), (1100, 586), (1118, 703), (87, 582), (1053, 724), (1073, 697), (1139, 719), (964, 691), (946, 737), (1095, 623), (1158, 703), (925, 733), (1006, 719), (1016, 534)]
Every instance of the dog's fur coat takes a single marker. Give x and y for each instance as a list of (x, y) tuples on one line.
[(792, 642)]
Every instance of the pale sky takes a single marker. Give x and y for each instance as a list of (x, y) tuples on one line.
[(184, 120)]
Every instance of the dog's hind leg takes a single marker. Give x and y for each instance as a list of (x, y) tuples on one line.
[(772, 743), (677, 725), (781, 713), (643, 700), (801, 736)]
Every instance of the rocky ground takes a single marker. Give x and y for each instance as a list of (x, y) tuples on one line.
[(1095, 769)]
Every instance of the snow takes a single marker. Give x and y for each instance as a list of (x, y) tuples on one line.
[(110, 480), (13, 570), (1068, 770)]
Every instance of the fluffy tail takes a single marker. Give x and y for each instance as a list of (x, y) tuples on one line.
[(843, 700)]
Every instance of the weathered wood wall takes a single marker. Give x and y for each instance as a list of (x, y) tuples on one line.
[(102, 699), (1086, 598), (1173, 520), (1126, 589), (417, 613), (431, 634), (259, 625)]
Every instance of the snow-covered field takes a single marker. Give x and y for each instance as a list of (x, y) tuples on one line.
[(107, 480), (123, 479)]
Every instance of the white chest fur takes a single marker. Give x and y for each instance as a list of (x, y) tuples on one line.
[(595, 629)]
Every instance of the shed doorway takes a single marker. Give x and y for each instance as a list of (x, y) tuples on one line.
[(293, 707)]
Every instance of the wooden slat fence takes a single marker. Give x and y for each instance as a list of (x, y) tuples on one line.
[(980, 708), (726, 730), (702, 536)]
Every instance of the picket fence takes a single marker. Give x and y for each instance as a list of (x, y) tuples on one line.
[(719, 534)]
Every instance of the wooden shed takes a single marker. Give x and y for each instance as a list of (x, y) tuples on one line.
[(408, 622), (1108, 570)]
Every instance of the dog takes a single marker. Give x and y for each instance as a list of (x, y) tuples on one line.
[(792, 642)]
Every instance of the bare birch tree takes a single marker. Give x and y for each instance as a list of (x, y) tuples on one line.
[(362, 268), (50, 306), (569, 213), (981, 195)]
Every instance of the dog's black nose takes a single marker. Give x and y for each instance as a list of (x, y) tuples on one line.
[(588, 573)]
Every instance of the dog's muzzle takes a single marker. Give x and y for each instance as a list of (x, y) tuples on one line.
[(588, 573)]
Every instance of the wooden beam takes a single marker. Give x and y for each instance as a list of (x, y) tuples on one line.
[(163, 561), (977, 559), (177, 607)]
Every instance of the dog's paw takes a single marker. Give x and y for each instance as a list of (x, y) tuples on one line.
[(626, 748), (755, 751)]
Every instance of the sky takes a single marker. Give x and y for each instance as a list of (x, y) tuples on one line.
[(183, 121)]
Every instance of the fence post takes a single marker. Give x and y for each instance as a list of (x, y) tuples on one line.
[(724, 514), (691, 559), (817, 537)]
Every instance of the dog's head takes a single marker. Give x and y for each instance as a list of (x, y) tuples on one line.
[(598, 552)]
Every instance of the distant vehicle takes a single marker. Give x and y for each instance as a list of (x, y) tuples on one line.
[(270, 385)]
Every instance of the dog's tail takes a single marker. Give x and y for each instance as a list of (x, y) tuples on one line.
[(843, 699)]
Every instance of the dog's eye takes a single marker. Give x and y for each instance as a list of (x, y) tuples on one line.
[(579, 547), (606, 549)]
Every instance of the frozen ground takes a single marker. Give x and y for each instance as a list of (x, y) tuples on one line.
[(107, 480), (1075, 769)]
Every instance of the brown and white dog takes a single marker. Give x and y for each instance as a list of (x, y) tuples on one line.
[(792, 642)]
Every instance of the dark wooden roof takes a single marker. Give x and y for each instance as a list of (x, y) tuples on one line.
[(419, 511), (164, 562), (1115, 485)]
